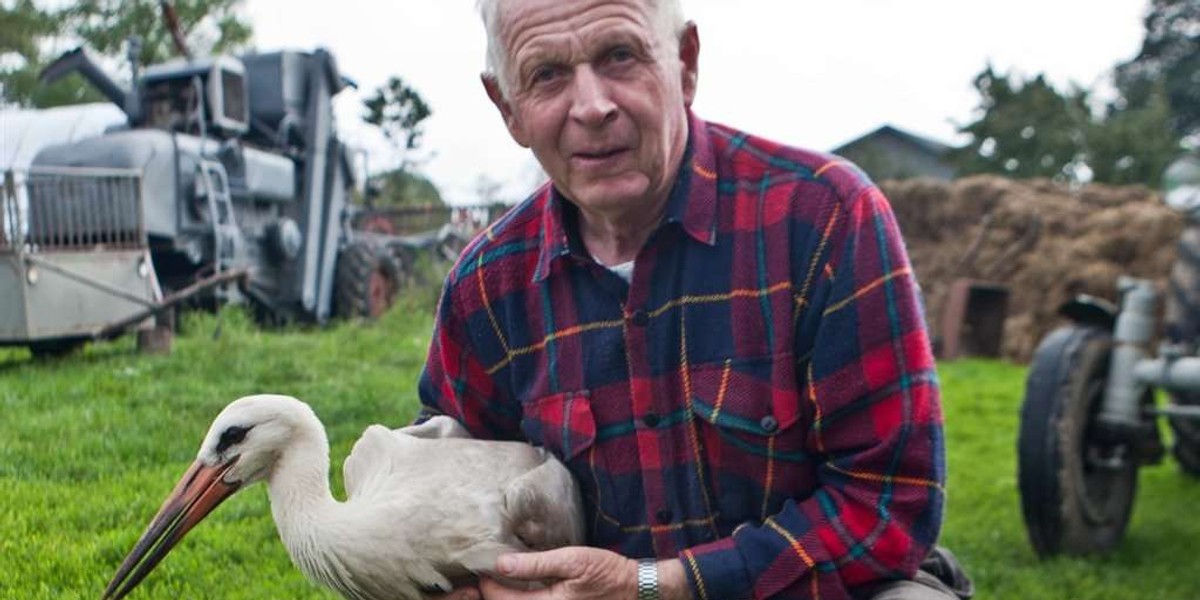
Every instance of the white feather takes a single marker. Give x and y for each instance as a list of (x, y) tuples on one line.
[(424, 504)]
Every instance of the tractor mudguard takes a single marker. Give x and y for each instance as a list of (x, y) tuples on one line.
[(1085, 309)]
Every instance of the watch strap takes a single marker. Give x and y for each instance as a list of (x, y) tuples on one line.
[(647, 579)]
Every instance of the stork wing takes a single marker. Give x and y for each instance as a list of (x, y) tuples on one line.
[(544, 506), (438, 427), (375, 457), (381, 452)]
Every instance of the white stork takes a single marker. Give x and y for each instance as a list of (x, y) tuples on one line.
[(425, 504)]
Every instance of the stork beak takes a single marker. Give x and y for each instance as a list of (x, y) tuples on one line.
[(199, 491)]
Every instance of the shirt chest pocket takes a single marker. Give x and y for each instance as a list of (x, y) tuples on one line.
[(562, 423), (753, 426)]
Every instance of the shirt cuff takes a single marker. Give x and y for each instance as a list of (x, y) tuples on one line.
[(716, 571)]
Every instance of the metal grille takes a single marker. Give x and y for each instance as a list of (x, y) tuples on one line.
[(81, 208)]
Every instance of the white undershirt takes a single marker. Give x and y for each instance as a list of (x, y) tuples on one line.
[(623, 270)]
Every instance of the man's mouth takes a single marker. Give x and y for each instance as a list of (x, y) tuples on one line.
[(598, 155)]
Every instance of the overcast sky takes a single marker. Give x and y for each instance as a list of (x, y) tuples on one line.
[(813, 74)]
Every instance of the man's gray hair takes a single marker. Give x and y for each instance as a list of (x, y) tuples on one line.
[(667, 14)]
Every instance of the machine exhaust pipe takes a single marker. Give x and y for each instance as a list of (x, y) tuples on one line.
[(78, 61)]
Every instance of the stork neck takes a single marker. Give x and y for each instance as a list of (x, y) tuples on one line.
[(299, 483), (304, 510)]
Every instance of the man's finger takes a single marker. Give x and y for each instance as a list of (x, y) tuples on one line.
[(562, 563), (494, 590), (466, 593)]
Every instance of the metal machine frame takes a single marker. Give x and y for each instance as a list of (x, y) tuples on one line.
[(228, 168), (1089, 419), (90, 276)]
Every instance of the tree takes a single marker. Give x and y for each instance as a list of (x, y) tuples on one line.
[(209, 26), (1169, 57), (28, 32), (1029, 129), (24, 31), (1134, 145), (1025, 129), (401, 187), (399, 110)]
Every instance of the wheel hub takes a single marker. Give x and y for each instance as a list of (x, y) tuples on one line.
[(1103, 464)]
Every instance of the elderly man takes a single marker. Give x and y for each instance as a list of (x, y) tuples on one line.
[(719, 335)]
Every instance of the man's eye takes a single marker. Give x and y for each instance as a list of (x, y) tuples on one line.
[(620, 54), (544, 75)]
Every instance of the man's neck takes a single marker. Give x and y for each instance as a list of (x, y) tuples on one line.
[(615, 238)]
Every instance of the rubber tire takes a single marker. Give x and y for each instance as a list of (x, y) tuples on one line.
[(1187, 454), (404, 264), (1069, 505), (366, 282), (1183, 326)]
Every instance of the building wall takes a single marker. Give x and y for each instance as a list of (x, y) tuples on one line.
[(888, 157)]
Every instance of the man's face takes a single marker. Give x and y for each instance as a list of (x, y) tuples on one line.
[(598, 96)]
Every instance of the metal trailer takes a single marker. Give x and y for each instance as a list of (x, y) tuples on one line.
[(64, 281), (229, 168), (1089, 418)]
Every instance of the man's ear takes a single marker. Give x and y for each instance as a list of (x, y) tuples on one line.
[(689, 58), (492, 86)]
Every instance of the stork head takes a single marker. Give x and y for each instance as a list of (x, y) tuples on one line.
[(240, 448), (249, 435)]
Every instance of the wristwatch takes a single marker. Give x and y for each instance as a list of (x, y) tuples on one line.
[(647, 579)]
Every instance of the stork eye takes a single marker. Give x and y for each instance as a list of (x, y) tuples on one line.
[(231, 436)]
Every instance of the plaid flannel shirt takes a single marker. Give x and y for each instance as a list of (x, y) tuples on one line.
[(760, 401)]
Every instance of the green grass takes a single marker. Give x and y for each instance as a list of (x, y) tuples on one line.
[(983, 524), (91, 444)]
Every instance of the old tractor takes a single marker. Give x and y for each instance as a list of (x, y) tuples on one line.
[(228, 183), (1090, 418)]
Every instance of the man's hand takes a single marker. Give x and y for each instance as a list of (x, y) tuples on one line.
[(464, 593), (578, 573)]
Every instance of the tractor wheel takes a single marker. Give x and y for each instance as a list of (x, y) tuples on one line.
[(1187, 454), (404, 264), (1076, 491), (1186, 447), (1183, 327), (366, 282)]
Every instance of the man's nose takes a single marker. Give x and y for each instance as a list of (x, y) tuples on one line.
[(591, 105)]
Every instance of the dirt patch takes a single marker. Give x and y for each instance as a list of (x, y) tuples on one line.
[(1045, 241)]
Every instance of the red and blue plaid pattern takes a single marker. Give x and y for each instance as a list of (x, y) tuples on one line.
[(760, 401)]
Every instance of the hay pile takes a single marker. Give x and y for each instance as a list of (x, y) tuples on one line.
[(1043, 240)]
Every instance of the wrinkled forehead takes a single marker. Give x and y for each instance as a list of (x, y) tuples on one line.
[(573, 24)]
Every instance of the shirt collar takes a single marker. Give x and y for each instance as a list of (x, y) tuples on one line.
[(692, 203)]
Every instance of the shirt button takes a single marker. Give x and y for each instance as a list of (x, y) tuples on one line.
[(769, 424), (664, 516), (650, 420), (640, 318)]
